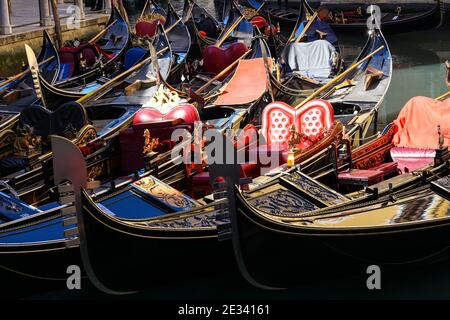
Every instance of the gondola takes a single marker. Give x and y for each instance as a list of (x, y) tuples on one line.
[(375, 223), (100, 116), (358, 89), (49, 66), (17, 93), (178, 33), (220, 116), (201, 24), (88, 61), (178, 38), (356, 19)]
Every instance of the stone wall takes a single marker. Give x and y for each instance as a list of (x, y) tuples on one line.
[(12, 51)]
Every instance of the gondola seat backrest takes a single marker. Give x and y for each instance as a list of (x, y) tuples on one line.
[(133, 56), (147, 29), (160, 125), (90, 54), (217, 59), (44, 122), (311, 121), (68, 61)]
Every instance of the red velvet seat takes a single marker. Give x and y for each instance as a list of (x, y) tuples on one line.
[(67, 60), (217, 59), (387, 168), (312, 120), (145, 28), (148, 116), (161, 126), (259, 21), (90, 54), (360, 177), (410, 159)]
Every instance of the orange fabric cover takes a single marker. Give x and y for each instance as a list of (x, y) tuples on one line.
[(248, 83), (417, 123)]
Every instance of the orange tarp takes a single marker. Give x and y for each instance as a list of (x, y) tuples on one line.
[(248, 83), (417, 123)]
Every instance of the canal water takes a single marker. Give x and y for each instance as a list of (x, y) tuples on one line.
[(418, 70)]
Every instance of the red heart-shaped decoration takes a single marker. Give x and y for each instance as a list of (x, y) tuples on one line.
[(217, 59), (186, 112), (312, 119)]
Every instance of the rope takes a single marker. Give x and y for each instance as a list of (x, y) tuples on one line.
[(34, 276)]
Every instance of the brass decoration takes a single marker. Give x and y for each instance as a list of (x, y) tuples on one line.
[(294, 138), (164, 99), (95, 171), (164, 193), (86, 134), (151, 17), (441, 138), (249, 13), (27, 142), (150, 143)]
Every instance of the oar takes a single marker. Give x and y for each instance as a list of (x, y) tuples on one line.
[(229, 31), (23, 73), (233, 26), (143, 10), (444, 96), (189, 12), (120, 76), (101, 33), (221, 73), (338, 78), (173, 25), (302, 34)]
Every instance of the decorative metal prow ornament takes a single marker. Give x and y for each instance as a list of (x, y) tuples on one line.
[(441, 138), (149, 143), (442, 149), (294, 140), (34, 69)]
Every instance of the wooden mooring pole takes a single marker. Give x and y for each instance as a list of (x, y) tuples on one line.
[(57, 23)]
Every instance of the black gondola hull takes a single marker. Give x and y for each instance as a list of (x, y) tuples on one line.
[(279, 256)]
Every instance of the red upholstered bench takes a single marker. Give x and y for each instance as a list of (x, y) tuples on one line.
[(160, 125), (311, 120), (217, 59), (387, 168), (410, 159), (360, 177)]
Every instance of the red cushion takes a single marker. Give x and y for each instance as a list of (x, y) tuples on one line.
[(410, 159), (250, 170), (386, 168), (312, 119), (365, 176), (145, 28), (90, 55), (315, 117), (132, 144), (216, 59), (259, 22), (146, 116), (268, 156)]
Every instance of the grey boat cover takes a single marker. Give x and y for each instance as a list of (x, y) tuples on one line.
[(311, 59)]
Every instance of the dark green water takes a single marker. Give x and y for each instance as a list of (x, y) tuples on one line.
[(418, 70)]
